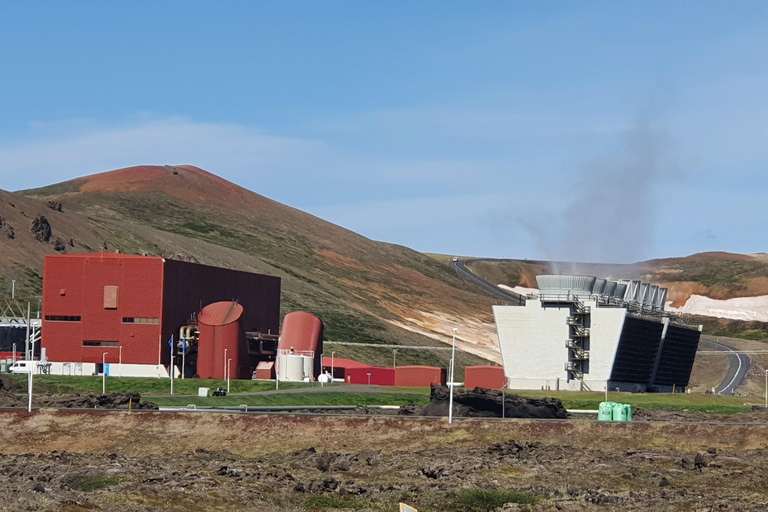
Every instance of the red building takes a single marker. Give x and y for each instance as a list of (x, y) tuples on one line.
[(104, 302)]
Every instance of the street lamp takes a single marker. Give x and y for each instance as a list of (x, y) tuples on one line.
[(225, 363), (120, 361), (228, 361), (453, 363), (394, 358), (332, 365), (104, 373)]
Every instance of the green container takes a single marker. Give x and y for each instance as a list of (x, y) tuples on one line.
[(605, 411), (619, 412), (629, 411)]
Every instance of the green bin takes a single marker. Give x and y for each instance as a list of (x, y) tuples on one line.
[(629, 411), (619, 412), (605, 411)]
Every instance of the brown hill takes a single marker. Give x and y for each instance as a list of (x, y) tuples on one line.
[(365, 291), (718, 275)]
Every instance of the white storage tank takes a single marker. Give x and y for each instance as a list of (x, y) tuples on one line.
[(294, 367)]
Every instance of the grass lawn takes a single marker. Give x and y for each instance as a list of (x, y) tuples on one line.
[(658, 401), (146, 385), (295, 399), (246, 392)]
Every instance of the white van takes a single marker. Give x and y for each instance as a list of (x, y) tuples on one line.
[(23, 367)]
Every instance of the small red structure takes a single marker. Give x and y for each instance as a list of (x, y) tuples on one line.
[(370, 375), (265, 370), (221, 346), (489, 377), (338, 366), (419, 375)]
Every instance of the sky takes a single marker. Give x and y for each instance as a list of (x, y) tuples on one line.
[(572, 131)]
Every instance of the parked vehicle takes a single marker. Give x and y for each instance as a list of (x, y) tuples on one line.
[(23, 367)]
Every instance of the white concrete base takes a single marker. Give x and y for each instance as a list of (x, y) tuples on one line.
[(113, 370)]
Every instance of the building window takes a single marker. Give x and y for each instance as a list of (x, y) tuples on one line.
[(140, 320), (96, 343), (110, 297), (62, 318)]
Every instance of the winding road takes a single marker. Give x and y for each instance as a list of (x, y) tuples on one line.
[(737, 371), (464, 272)]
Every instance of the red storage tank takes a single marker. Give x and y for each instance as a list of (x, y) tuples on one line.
[(489, 377), (303, 334), (371, 375), (419, 375), (220, 329)]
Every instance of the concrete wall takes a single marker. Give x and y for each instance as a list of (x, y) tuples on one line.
[(532, 342)]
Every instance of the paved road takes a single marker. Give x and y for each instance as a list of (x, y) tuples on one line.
[(464, 272), (737, 371)]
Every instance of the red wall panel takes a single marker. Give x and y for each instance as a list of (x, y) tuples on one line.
[(419, 375), (490, 377), (379, 376), (73, 285)]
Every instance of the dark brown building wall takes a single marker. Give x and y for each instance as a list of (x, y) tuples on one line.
[(189, 287)]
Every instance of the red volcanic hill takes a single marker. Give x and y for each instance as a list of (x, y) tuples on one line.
[(363, 290)]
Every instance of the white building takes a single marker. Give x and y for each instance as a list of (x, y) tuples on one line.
[(581, 332)]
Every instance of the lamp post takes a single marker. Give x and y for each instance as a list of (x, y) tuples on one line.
[(103, 373), (120, 361), (394, 358), (228, 361), (332, 365), (13, 289), (225, 363), (453, 364), (766, 389)]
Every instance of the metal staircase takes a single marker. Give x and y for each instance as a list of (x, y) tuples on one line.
[(578, 341)]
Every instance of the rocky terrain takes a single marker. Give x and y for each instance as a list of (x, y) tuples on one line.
[(153, 461)]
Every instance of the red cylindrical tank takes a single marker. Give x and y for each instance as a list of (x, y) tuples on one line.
[(419, 375), (221, 330), (489, 377), (303, 333)]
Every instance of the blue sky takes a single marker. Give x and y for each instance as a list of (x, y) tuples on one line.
[(580, 131)]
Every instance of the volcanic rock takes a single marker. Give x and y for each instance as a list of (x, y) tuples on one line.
[(481, 402)]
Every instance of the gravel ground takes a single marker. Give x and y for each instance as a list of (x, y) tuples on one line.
[(66, 460)]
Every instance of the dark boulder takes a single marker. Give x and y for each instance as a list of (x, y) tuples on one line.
[(480, 402), (42, 229)]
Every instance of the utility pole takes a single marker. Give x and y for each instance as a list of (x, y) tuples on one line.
[(453, 364)]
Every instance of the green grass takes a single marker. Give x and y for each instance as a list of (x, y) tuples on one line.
[(481, 500), (321, 501), (247, 392), (148, 385), (295, 399), (652, 401), (88, 483)]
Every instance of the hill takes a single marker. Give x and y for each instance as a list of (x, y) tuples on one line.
[(719, 276), (365, 291)]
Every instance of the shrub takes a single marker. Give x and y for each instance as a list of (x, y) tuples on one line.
[(482, 500)]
